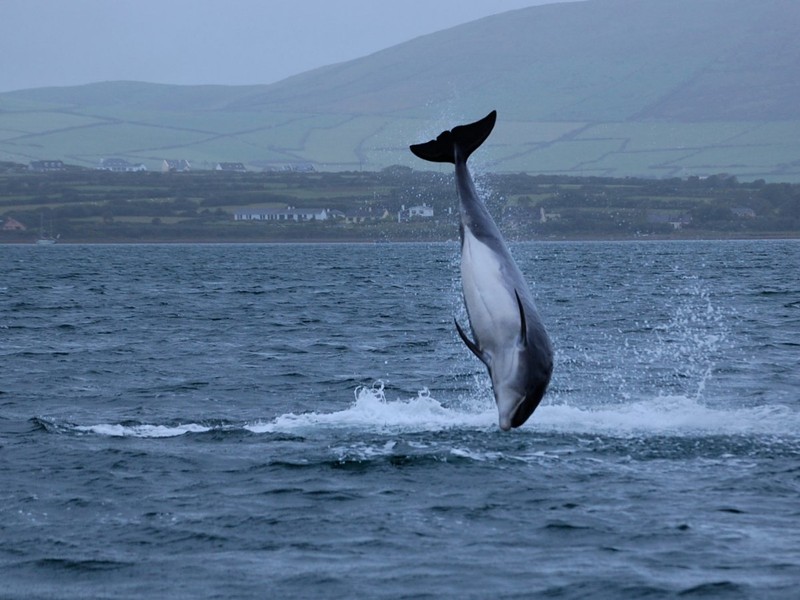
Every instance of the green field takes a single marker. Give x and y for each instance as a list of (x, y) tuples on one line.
[(762, 150), (662, 89)]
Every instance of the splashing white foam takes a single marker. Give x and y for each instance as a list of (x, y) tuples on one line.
[(664, 415), (675, 415), (371, 410), (142, 431)]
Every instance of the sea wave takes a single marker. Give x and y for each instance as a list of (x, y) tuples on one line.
[(670, 415), (143, 430), (372, 412)]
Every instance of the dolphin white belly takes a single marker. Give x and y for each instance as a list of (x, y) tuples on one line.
[(491, 306)]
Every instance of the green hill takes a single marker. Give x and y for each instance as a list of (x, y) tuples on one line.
[(655, 88)]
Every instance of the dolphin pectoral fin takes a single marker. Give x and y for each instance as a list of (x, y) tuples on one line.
[(523, 325), (470, 344), (467, 137)]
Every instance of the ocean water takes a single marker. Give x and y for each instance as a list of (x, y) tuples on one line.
[(302, 421)]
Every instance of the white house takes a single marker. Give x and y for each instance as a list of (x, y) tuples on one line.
[(676, 219), (545, 217), (46, 165), (11, 224), (170, 165), (744, 212), (120, 165), (232, 167), (368, 214), (283, 214), (423, 211)]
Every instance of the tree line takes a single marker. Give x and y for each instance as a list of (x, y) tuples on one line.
[(87, 204)]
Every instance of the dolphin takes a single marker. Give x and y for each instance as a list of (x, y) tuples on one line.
[(508, 335)]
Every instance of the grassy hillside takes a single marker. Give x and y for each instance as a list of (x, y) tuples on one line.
[(655, 88), (600, 60)]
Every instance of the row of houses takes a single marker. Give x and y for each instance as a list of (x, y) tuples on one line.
[(286, 214), (679, 220), (168, 165), (234, 167), (361, 215), (45, 166), (121, 165)]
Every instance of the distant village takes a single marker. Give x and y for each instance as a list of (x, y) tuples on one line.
[(168, 165), (302, 215), (78, 205), (363, 215), (360, 215), (676, 220)]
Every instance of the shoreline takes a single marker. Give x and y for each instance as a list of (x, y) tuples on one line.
[(705, 237)]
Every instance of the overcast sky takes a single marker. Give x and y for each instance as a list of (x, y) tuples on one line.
[(71, 42)]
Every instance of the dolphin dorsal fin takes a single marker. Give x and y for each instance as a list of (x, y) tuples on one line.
[(523, 325), (471, 345)]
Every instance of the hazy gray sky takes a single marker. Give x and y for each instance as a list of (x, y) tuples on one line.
[(70, 42)]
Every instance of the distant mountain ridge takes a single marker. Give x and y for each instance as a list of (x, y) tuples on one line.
[(589, 61), (638, 87)]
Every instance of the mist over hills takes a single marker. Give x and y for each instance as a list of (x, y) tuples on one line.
[(588, 61), (602, 87)]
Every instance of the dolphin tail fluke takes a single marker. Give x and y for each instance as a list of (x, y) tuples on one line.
[(467, 138)]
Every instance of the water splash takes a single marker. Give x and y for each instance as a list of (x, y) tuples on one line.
[(673, 352), (372, 411), (668, 415), (142, 430), (690, 342)]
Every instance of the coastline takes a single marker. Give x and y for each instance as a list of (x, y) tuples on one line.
[(167, 240), (376, 207)]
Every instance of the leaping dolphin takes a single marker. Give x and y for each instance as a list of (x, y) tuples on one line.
[(509, 337)]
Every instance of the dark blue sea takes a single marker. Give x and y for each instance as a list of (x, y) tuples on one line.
[(302, 421)]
